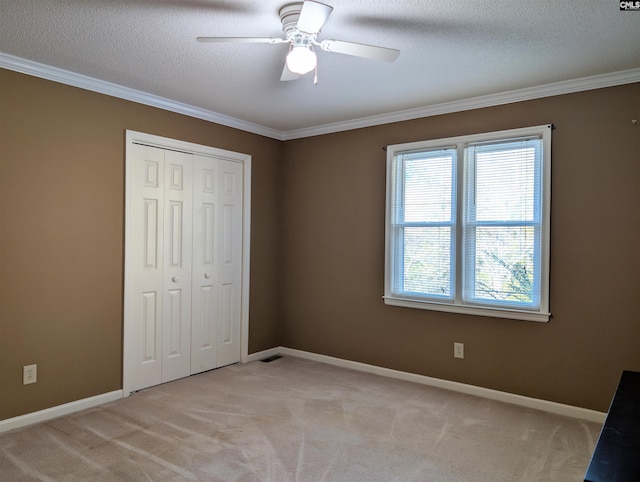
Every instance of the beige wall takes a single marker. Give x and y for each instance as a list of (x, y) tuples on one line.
[(62, 230), (317, 246), (333, 237)]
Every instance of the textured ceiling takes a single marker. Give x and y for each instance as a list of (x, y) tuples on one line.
[(449, 51)]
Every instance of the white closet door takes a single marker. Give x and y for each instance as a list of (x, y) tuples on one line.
[(143, 295), (186, 259), (178, 202), (230, 263), (205, 264), (158, 296), (217, 263)]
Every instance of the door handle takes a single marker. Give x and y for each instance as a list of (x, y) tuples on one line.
[(206, 276), (174, 279)]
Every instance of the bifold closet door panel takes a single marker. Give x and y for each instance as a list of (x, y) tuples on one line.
[(217, 263), (158, 298), (178, 214), (205, 264), (230, 263), (143, 297)]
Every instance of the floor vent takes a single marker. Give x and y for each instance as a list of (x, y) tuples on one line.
[(271, 358)]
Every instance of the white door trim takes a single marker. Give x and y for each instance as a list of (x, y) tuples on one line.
[(132, 137)]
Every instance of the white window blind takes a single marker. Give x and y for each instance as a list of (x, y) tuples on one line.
[(468, 224), (502, 223), (424, 223)]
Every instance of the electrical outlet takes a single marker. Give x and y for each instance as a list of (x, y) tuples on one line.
[(29, 374), (458, 350)]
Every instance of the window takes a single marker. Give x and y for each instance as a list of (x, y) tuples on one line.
[(467, 225)]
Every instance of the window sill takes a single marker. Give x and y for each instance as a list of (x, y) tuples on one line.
[(469, 310)]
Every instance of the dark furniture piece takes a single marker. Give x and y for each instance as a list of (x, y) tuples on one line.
[(616, 457)]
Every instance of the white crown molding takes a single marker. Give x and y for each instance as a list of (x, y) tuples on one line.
[(55, 74), (36, 69), (530, 93)]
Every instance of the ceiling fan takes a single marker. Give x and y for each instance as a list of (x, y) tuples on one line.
[(301, 23)]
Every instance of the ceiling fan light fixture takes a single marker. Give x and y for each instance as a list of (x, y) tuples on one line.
[(301, 25), (301, 60)]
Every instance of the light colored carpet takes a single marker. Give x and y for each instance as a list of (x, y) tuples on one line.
[(297, 420)]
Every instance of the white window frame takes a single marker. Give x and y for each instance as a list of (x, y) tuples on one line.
[(457, 304)]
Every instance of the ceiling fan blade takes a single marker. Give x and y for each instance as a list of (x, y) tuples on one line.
[(288, 75), (267, 40), (313, 16), (360, 50)]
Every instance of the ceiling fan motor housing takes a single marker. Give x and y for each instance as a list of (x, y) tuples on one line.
[(289, 15)]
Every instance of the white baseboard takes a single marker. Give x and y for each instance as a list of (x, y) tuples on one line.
[(58, 411), (535, 403), (545, 405)]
